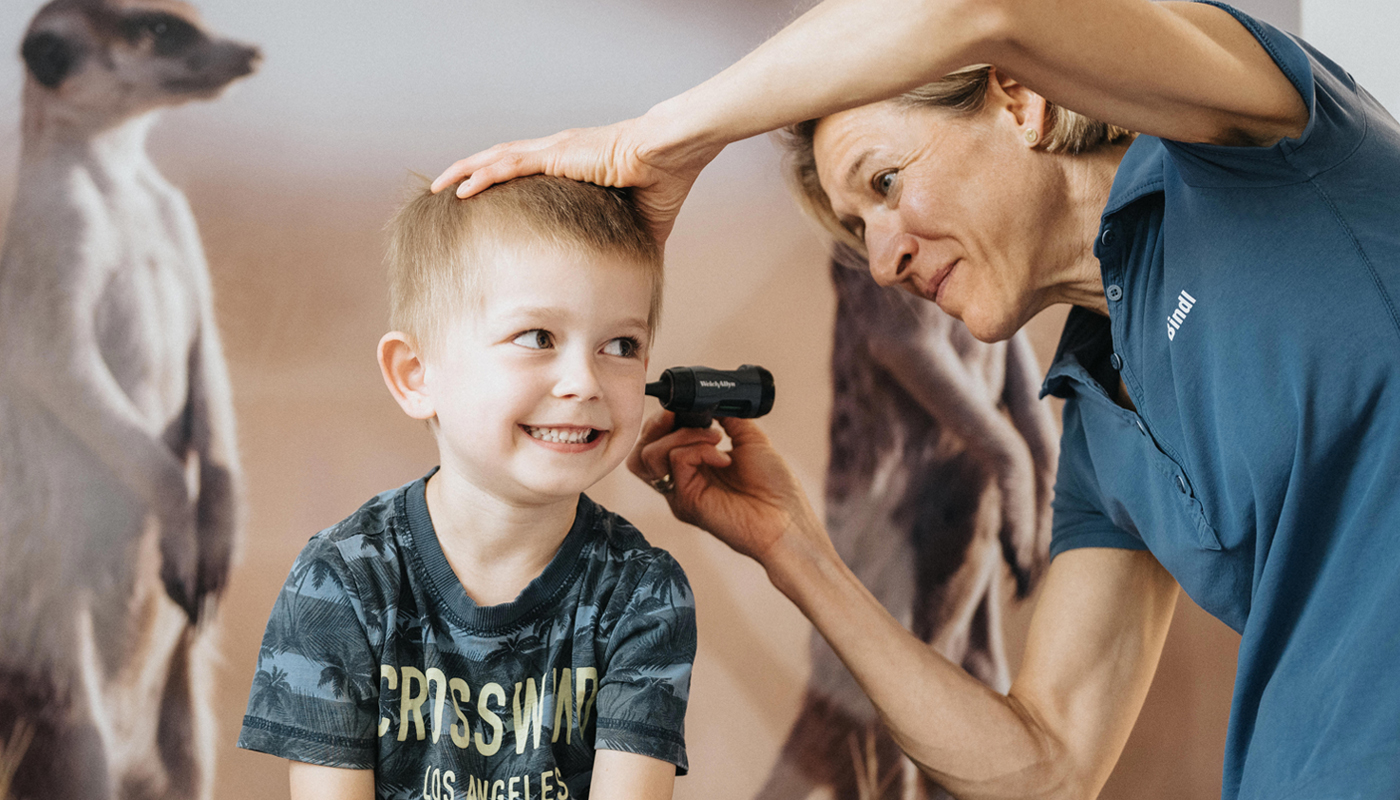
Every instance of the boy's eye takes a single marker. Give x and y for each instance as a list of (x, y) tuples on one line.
[(624, 346), (537, 339)]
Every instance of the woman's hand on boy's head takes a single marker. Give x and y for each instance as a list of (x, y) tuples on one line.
[(746, 496), (626, 154)]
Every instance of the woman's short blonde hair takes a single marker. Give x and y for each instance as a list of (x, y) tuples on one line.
[(438, 244), (964, 92)]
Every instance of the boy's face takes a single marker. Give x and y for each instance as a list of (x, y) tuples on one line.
[(540, 392)]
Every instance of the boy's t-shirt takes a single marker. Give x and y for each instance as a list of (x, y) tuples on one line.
[(376, 658)]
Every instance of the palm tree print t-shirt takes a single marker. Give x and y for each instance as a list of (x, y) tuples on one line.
[(376, 658)]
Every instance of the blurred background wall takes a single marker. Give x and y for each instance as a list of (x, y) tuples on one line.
[(292, 176)]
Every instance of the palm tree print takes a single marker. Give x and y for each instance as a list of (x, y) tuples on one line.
[(271, 691)]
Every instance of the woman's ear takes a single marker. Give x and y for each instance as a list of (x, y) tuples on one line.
[(1022, 107), (404, 374)]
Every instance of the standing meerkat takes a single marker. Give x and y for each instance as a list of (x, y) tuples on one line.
[(939, 481), (118, 473)]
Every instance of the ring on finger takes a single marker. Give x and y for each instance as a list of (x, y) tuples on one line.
[(664, 484)]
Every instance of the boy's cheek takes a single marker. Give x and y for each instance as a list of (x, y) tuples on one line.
[(628, 424)]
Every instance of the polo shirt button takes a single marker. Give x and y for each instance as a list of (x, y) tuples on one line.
[(1108, 236), (1181, 484), (1142, 428), (1115, 292), (1115, 362)]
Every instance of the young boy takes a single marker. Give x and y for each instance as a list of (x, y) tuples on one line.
[(487, 632)]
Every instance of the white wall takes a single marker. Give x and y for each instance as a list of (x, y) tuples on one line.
[(1279, 13), (1364, 37)]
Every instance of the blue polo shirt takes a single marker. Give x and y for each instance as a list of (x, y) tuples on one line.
[(1252, 295)]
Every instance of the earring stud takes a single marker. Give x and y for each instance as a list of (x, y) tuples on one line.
[(1032, 136)]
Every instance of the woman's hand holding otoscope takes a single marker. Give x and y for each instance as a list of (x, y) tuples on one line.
[(746, 495)]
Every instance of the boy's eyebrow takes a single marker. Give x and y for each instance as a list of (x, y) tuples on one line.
[(531, 312)]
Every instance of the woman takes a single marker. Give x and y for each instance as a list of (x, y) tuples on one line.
[(1232, 416)]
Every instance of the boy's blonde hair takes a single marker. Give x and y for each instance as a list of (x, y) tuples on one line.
[(438, 244)]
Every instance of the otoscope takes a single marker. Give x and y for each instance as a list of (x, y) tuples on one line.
[(699, 394)]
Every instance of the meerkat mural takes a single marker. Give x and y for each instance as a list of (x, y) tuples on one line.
[(118, 475), (941, 468)]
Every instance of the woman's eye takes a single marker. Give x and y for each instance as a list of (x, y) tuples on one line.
[(537, 339), (884, 182), (624, 346), (159, 28)]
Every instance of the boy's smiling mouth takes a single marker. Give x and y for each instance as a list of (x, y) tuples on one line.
[(562, 434)]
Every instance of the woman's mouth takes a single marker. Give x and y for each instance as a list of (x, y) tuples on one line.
[(562, 435), (935, 286)]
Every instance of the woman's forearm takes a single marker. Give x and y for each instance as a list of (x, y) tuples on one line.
[(838, 55), (961, 732), (1090, 656), (1176, 70)]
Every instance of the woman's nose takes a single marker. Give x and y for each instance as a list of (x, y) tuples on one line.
[(891, 255)]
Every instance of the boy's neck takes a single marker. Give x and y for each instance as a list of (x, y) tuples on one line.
[(496, 548)]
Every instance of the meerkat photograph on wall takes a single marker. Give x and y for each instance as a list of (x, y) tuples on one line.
[(119, 478)]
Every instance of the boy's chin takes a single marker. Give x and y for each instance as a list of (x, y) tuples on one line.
[(542, 488)]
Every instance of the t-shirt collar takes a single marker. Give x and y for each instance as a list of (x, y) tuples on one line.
[(442, 581)]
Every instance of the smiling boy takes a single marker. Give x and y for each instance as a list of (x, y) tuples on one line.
[(487, 631)]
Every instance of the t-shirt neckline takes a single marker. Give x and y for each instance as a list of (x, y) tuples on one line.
[(557, 575)]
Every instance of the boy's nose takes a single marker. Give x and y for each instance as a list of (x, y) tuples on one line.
[(578, 379)]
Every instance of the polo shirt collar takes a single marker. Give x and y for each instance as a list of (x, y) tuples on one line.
[(1086, 341), (1139, 174)]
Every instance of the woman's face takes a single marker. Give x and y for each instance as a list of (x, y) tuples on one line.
[(955, 209)]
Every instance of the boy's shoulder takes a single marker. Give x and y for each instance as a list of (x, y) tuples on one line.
[(619, 539), (625, 559), (365, 543)]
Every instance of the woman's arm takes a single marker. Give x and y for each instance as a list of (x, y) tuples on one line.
[(315, 782), (1094, 643), (628, 776), (1178, 70), (1181, 71)]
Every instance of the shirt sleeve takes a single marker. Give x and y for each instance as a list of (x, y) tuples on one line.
[(315, 692), (645, 684), (1079, 519), (1337, 110)]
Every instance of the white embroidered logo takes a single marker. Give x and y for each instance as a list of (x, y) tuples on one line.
[(1184, 302)]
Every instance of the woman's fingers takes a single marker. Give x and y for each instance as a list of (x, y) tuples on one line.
[(623, 155), (581, 154), (684, 461), (651, 458), (464, 167), (501, 159), (653, 428), (480, 173), (746, 496), (744, 432)]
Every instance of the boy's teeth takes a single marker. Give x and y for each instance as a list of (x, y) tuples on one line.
[(560, 435)]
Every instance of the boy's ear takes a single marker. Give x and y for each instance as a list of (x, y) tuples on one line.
[(403, 372)]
